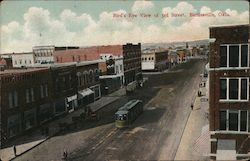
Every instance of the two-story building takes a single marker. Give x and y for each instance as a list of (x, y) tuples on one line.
[(23, 59), (25, 100), (154, 59), (229, 104), (88, 84)]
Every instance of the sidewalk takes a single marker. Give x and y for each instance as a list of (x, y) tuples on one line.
[(192, 136), (30, 141)]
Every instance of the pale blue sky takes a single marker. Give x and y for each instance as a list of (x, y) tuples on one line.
[(92, 22)]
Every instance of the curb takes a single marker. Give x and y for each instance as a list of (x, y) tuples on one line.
[(30, 148)]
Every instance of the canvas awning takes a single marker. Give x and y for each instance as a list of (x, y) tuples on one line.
[(85, 92), (71, 98)]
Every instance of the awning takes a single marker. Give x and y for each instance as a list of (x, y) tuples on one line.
[(71, 98), (85, 92)]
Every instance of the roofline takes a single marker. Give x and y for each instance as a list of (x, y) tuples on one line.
[(228, 25)]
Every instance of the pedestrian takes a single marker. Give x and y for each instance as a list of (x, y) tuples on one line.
[(14, 149), (192, 106), (65, 154)]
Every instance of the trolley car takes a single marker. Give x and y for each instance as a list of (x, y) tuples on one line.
[(128, 113)]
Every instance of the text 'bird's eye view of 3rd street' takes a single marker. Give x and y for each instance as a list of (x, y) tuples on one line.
[(124, 80)]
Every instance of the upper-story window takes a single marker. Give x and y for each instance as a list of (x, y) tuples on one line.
[(41, 91), (233, 120), (234, 55), (13, 99), (234, 89)]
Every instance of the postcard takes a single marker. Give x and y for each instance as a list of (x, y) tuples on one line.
[(124, 80)]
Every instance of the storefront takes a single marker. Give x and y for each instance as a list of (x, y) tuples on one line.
[(14, 125), (59, 106), (97, 91), (44, 113), (72, 103), (29, 119), (85, 97), (110, 83)]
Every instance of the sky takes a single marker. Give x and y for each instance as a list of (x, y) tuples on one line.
[(27, 23)]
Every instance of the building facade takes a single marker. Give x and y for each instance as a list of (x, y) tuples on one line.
[(88, 84), (229, 104), (132, 63), (23, 59), (25, 100), (64, 87), (44, 54), (154, 60)]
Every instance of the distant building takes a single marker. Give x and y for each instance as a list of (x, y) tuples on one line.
[(153, 59), (229, 103), (182, 56), (86, 54), (172, 58), (23, 59), (44, 54)]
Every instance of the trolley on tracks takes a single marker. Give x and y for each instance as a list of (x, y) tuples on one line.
[(128, 113)]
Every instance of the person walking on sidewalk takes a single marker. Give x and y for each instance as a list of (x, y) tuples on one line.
[(192, 106), (65, 154), (14, 149)]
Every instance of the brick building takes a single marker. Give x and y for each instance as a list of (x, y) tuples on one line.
[(25, 100), (229, 103), (64, 87), (88, 84), (86, 54), (132, 63)]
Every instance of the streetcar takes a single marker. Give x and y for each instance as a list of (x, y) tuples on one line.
[(128, 113)]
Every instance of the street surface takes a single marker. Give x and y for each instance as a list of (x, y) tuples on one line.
[(156, 134)]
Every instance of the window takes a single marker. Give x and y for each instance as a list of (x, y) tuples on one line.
[(243, 121), (234, 89), (15, 99), (223, 89), (243, 89), (233, 120), (234, 55), (244, 55), (32, 94), (223, 56), (223, 120), (10, 100), (46, 90), (41, 90), (27, 96)]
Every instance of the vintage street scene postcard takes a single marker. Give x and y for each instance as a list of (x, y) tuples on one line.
[(124, 80)]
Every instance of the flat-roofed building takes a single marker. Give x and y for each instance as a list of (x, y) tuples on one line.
[(229, 103)]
